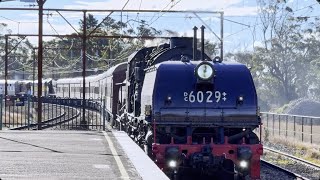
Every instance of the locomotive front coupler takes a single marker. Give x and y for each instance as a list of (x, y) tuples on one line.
[(205, 160)]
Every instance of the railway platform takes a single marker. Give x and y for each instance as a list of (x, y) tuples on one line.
[(73, 155)]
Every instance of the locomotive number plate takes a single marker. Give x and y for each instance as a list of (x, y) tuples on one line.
[(207, 96)]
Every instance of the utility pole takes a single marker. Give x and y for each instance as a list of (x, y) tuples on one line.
[(84, 47), (33, 70), (40, 53), (5, 76), (6, 67)]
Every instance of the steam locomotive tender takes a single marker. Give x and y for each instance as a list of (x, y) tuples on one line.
[(190, 112)]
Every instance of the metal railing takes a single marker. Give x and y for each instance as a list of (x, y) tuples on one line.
[(291, 127), (57, 113)]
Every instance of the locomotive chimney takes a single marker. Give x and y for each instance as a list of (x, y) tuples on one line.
[(202, 42), (195, 42)]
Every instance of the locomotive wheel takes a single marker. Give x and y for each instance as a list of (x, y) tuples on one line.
[(228, 171)]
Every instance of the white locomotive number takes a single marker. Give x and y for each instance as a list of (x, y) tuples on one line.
[(204, 96)]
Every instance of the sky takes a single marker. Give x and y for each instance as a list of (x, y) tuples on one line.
[(241, 26)]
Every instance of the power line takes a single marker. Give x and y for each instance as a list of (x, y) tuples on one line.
[(18, 21), (9, 19), (138, 10), (52, 26), (149, 24)]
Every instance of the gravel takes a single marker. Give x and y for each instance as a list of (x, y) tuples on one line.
[(286, 149), (292, 165), (269, 173)]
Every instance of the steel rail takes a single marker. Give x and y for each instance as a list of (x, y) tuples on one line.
[(313, 165), (290, 173), (53, 119)]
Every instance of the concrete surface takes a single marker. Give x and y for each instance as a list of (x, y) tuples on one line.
[(62, 155)]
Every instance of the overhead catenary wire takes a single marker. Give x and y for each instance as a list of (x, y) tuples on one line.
[(121, 56), (52, 26), (138, 13), (155, 18)]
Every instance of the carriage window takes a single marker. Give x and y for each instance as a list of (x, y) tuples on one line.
[(96, 90)]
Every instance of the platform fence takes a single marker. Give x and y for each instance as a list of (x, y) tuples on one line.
[(291, 127), (17, 113)]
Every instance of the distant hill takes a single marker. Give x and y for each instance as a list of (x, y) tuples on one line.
[(304, 107)]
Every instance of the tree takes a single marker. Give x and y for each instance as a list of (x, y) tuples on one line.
[(91, 22), (101, 52), (281, 54), (286, 66)]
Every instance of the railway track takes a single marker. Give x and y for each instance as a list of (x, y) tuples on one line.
[(313, 165), (64, 116), (279, 172), (298, 167)]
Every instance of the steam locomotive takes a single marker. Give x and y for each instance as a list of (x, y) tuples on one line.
[(187, 111)]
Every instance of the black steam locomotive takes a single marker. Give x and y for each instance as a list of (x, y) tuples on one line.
[(187, 111)]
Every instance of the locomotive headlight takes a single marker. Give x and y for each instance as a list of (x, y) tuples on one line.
[(240, 100), (243, 164), (172, 156), (172, 164), (204, 71)]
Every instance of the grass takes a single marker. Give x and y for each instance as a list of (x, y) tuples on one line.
[(282, 109), (307, 151), (283, 161), (276, 158)]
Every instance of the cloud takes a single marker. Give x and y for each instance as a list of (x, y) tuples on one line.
[(241, 11)]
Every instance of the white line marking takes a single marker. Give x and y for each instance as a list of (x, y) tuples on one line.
[(101, 166), (124, 174)]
